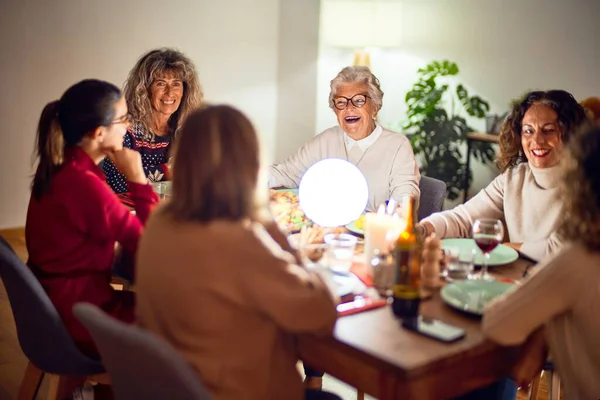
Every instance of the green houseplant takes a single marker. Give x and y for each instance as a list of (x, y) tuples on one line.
[(436, 128)]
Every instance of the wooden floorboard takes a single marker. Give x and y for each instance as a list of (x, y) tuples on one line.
[(12, 359)]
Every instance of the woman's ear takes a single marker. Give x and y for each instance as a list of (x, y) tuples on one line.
[(98, 134)]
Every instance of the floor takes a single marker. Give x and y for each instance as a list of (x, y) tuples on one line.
[(13, 362)]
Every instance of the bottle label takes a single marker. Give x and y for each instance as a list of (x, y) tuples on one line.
[(405, 286)]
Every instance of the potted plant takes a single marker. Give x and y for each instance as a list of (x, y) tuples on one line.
[(436, 128)]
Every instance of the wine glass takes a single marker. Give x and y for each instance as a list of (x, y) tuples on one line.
[(487, 233)]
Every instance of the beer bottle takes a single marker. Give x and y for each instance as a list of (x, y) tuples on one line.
[(407, 268)]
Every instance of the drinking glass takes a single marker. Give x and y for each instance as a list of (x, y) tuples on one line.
[(487, 233), (459, 263), (340, 251)]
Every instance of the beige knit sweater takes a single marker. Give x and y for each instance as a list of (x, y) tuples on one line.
[(388, 164), (563, 296), (525, 197), (231, 300)]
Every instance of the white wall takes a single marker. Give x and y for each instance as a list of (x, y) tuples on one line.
[(48, 45), (502, 47), (264, 57), (297, 78)]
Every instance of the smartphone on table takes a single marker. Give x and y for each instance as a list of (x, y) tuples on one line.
[(434, 329)]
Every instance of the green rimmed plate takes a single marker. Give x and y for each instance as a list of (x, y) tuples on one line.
[(499, 256), (473, 295)]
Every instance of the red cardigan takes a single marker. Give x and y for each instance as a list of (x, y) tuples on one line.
[(71, 234)]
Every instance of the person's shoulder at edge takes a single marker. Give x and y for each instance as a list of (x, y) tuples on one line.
[(391, 137), (87, 182), (388, 132), (571, 256), (233, 234), (329, 132)]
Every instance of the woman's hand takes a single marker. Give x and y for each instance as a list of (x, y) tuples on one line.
[(129, 162), (424, 229)]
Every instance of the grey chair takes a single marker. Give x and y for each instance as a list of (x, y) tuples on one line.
[(433, 193), (41, 332), (140, 364)]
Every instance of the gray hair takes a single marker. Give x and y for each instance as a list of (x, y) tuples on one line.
[(358, 74)]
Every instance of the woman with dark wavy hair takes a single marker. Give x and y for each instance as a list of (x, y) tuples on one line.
[(564, 297), (525, 195), (162, 88)]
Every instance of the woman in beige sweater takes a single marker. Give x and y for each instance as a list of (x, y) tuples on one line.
[(564, 297), (525, 195), (218, 283)]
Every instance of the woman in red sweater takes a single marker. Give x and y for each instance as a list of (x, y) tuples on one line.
[(74, 219)]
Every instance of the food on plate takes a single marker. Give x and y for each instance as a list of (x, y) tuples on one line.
[(286, 210), (360, 222)]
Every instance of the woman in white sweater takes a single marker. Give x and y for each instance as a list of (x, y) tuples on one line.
[(564, 297), (525, 195), (384, 157)]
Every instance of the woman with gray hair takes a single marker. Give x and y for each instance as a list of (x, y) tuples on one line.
[(384, 157)]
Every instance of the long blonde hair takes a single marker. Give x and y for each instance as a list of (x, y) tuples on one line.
[(151, 66)]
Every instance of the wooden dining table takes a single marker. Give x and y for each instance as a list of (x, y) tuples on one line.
[(372, 352)]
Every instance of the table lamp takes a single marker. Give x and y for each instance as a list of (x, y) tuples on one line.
[(361, 24)]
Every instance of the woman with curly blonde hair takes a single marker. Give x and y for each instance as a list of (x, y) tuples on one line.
[(564, 297), (525, 195), (162, 88)]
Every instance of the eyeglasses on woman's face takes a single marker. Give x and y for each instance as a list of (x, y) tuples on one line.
[(358, 100), (126, 119)]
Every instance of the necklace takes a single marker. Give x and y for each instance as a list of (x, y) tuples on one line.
[(347, 155)]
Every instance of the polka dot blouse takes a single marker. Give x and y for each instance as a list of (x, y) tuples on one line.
[(154, 158)]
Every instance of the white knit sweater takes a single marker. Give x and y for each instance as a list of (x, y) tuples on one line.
[(388, 164), (525, 197)]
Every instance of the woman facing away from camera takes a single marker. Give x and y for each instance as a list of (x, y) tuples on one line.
[(563, 297), (162, 88), (526, 193), (74, 219), (236, 295)]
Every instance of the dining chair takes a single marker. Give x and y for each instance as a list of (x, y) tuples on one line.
[(141, 365), (433, 193), (41, 332), (553, 383)]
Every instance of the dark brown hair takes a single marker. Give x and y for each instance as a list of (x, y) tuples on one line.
[(216, 168), (570, 117), (82, 108), (581, 190)]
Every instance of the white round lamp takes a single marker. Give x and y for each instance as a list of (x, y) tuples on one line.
[(333, 192)]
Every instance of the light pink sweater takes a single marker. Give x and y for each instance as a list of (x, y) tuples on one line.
[(563, 296)]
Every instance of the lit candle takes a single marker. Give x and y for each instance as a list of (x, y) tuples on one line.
[(381, 230)]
